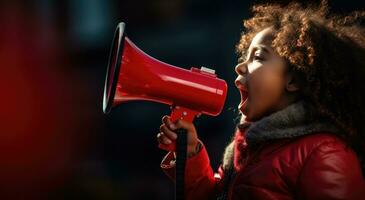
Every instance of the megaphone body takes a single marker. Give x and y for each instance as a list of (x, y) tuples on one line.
[(134, 75)]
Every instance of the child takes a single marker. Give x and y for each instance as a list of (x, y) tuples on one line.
[(303, 101)]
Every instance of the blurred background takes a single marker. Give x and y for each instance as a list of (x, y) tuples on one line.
[(55, 142)]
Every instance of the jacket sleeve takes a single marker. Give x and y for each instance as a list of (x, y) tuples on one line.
[(332, 171), (200, 181)]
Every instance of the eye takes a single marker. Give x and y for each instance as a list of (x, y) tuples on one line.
[(258, 58)]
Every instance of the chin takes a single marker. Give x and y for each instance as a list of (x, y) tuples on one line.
[(246, 117), (251, 117)]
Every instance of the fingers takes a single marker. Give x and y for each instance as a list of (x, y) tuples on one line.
[(167, 132), (162, 139), (166, 120)]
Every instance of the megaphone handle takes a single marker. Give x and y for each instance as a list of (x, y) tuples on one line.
[(178, 112), (181, 148), (181, 151)]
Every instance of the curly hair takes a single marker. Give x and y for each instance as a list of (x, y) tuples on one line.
[(326, 52)]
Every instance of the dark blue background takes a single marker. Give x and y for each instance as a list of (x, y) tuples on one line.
[(111, 156)]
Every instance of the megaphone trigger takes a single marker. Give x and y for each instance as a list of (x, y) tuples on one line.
[(179, 112)]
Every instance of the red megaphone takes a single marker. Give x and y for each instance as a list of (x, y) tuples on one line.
[(134, 75)]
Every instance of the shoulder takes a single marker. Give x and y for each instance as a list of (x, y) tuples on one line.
[(323, 149), (329, 162), (318, 139), (302, 147), (326, 149), (319, 142)]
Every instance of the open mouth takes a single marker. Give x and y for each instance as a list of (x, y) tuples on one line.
[(243, 89), (244, 97)]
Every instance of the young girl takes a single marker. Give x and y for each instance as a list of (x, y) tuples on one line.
[(303, 101)]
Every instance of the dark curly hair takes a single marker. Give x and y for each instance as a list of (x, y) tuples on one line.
[(326, 52)]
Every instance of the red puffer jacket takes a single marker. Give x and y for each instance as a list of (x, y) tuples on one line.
[(314, 166)]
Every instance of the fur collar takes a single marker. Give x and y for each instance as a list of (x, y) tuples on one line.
[(293, 121)]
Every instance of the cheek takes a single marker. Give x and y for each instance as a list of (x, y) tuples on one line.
[(267, 90)]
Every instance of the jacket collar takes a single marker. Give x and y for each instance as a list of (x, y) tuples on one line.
[(297, 119), (293, 121)]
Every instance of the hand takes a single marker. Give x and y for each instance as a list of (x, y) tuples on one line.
[(167, 135)]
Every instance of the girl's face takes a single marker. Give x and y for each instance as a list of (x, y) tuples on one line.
[(262, 79)]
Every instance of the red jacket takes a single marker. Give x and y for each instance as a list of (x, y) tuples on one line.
[(314, 166)]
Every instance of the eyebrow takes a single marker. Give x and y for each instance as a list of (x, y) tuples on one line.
[(259, 47)]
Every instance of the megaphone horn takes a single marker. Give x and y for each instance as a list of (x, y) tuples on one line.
[(134, 75)]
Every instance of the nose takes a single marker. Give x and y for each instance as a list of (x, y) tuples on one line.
[(241, 69)]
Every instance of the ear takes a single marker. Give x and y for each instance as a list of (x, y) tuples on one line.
[(292, 83)]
